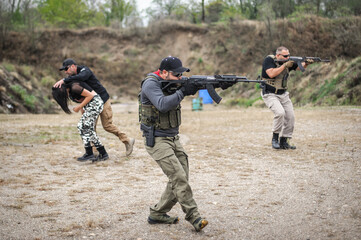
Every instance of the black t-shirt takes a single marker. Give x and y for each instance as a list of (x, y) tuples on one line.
[(270, 63), (76, 89), (84, 74)]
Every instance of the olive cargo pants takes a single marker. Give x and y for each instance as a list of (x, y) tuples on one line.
[(106, 117), (284, 116), (170, 156)]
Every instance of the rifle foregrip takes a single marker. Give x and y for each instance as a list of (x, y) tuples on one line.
[(212, 92)]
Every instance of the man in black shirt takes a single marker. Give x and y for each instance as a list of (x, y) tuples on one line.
[(83, 73), (275, 70)]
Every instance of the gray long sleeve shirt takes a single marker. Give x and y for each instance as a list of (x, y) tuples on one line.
[(152, 94)]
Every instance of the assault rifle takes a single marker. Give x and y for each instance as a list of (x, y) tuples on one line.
[(207, 82), (299, 60)]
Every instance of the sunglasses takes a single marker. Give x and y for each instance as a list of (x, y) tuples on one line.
[(67, 67), (177, 74), (285, 56)]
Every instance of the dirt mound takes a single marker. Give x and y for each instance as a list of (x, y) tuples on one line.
[(24, 91), (122, 59)]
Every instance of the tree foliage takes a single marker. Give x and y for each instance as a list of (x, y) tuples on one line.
[(26, 14), (65, 13), (118, 11)]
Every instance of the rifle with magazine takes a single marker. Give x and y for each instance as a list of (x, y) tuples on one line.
[(299, 60), (207, 82)]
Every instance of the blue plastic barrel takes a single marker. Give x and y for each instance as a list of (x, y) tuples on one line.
[(205, 96)]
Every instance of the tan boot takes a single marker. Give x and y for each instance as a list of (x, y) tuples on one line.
[(129, 147), (199, 224)]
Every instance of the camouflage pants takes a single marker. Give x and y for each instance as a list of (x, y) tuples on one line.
[(88, 120)]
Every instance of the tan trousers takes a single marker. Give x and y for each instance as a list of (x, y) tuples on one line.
[(282, 108), (171, 158), (106, 117)]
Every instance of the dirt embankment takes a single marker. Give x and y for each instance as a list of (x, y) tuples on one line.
[(122, 59)]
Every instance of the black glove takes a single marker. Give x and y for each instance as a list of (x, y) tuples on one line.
[(225, 85), (188, 89)]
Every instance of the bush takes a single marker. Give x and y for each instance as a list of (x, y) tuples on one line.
[(8, 66), (29, 100), (47, 81)]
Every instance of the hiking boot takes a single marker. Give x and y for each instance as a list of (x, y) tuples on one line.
[(275, 143), (199, 224), (101, 157), (129, 147), (164, 219), (86, 157), (284, 143)]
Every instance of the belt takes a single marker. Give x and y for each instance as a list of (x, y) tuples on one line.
[(266, 90)]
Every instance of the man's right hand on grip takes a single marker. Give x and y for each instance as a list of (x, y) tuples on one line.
[(188, 89)]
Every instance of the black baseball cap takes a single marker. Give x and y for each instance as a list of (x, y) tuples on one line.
[(67, 62), (172, 64)]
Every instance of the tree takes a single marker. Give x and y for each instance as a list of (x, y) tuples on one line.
[(194, 11), (215, 9), (65, 13), (120, 10), (203, 15), (163, 8), (16, 15), (282, 8)]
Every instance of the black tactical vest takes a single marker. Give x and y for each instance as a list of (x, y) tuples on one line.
[(150, 116)]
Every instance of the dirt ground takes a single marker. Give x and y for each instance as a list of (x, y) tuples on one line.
[(243, 187)]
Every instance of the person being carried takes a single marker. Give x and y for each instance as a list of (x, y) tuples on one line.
[(84, 74), (91, 105), (160, 118), (275, 70)]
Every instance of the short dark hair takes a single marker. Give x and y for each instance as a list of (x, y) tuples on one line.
[(61, 97)]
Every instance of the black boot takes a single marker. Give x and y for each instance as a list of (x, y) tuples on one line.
[(275, 143), (284, 143), (88, 155), (103, 155)]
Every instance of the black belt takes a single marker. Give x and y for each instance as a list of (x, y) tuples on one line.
[(268, 89)]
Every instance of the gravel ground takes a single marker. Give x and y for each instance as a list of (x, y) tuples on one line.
[(243, 187)]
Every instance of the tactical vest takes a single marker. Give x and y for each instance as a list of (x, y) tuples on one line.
[(151, 116), (280, 81)]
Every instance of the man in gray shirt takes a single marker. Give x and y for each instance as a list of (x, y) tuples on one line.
[(160, 118)]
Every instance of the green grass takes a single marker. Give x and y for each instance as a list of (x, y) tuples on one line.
[(29, 100), (26, 71), (8, 66), (242, 102), (45, 135), (47, 81)]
